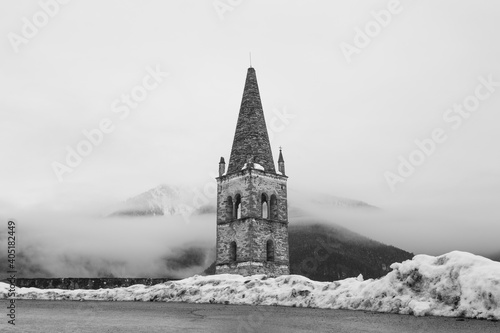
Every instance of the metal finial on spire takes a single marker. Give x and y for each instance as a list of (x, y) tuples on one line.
[(250, 53)]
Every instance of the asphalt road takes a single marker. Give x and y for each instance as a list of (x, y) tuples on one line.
[(137, 317)]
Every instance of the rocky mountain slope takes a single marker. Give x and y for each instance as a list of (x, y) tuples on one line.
[(495, 256), (327, 253)]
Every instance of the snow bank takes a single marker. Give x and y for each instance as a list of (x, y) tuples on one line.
[(456, 284), (255, 166)]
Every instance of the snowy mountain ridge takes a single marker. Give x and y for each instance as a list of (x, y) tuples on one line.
[(161, 200), (182, 200)]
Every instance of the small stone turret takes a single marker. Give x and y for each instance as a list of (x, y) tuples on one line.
[(281, 163), (222, 167)]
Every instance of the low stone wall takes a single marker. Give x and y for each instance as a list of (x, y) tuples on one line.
[(271, 269), (86, 283)]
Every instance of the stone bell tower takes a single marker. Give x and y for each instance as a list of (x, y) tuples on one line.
[(252, 212)]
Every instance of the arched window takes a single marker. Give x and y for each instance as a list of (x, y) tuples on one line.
[(229, 208), (232, 251), (237, 206), (270, 250), (274, 207), (264, 206)]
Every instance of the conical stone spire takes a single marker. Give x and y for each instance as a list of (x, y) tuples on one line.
[(251, 142)]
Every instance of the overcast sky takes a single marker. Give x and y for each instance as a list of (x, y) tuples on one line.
[(345, 106)]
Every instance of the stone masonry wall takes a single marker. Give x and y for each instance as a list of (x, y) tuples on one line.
[(251, 232), (85, 283), (251, 236), (237, 231), (250, 184), (261, 231), (252, 268)]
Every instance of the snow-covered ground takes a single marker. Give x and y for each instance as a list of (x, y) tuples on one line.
[(457, 284)]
